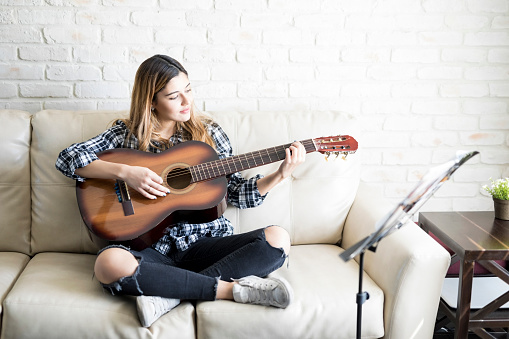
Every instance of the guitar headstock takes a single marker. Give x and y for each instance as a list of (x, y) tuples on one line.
[(340, 144)]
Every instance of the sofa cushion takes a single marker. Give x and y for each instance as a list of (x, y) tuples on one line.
[(57, 296), (11, 265), (15, 181), (324, 306)]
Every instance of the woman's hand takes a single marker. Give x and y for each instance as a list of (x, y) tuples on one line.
[(295, 155), (145, 181), (142, 179)]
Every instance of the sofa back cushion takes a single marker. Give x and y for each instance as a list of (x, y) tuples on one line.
[(57, 225), (14, 181), (312, 205)]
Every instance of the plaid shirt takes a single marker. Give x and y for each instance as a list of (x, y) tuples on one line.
[(242, 193)]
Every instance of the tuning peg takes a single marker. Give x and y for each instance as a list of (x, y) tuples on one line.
[(327, 155)]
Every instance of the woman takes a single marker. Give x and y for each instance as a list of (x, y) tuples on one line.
[(192, 261)]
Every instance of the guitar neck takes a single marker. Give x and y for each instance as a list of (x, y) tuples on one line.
[(237, 163)]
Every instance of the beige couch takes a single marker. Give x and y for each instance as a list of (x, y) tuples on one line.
[(47, 287)]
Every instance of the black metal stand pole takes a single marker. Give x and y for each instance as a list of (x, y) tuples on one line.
[(361, 296)]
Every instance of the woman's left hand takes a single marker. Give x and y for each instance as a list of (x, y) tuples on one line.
[(295, 155)]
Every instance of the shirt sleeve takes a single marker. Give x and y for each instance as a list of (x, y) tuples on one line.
[(81, 154), (242, 193)]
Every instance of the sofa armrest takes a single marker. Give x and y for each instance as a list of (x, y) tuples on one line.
[(408, 265)]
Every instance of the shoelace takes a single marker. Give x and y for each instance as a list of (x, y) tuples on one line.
[(261, 292)]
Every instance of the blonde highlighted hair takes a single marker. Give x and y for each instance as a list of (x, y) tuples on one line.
[(151, 77)]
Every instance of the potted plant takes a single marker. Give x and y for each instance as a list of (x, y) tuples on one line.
[(499, 190)]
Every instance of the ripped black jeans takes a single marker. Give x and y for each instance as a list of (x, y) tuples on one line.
[(194, 273)]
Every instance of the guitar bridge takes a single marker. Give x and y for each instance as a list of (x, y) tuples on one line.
[(123, 197)]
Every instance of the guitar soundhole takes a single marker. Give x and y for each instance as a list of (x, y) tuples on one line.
[(179, 178)]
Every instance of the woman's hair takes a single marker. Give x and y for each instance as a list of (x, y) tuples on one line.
[(151, 77)]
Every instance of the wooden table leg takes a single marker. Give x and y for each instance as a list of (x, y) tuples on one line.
[(464, 298)]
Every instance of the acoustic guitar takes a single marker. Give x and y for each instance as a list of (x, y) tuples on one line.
[(196, 178)]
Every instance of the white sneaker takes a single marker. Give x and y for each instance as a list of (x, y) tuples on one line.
[(152, 308), (275, 292)]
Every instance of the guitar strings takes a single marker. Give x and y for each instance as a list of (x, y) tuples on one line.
[(249, 158)]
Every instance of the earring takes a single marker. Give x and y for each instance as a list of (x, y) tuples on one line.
[(152, 109)]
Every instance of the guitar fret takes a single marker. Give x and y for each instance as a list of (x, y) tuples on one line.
[(224, 169), (274, 152), (203, 169), (196, 172), (206, 167), (229, 163), (281, 153), (261, 157), (203, 173), (235, 165), (192, 170), (229, 167), (200, 173), (250, 161), (246, 165), (246, 161), (208, 171), (214, 170), (270, 159)]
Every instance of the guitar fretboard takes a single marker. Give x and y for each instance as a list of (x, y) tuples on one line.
[(237, 163)]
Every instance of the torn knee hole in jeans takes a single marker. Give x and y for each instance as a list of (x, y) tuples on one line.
[(116, 286), (264, 236), (283, 253)]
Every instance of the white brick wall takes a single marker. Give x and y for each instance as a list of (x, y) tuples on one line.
[(424, 77)]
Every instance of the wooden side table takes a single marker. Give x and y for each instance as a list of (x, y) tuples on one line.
[(475, 238)]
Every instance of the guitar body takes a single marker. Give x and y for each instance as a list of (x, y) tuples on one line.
[(139, 222)]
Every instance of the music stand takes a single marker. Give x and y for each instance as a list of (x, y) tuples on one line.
[(399, 216)]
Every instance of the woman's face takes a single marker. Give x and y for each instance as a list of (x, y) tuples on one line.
[(174, 101)]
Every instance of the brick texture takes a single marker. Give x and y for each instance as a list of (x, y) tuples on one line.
[(424, 77)]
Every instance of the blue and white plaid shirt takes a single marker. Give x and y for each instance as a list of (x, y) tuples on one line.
[(242, 193)]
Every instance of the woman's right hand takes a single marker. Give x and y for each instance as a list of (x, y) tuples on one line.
[(145, 181), (142, 179)]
